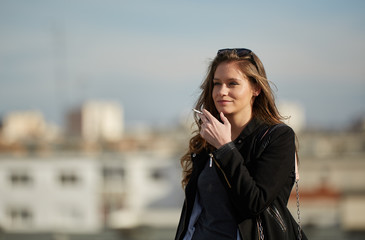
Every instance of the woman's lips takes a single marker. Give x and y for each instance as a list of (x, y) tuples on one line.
[(223, 102)]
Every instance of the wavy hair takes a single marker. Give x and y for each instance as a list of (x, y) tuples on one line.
[(264, 107)]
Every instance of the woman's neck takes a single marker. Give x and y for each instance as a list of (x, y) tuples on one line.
[(238, 123)]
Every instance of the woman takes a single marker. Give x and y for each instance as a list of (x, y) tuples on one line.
[(241, 160)]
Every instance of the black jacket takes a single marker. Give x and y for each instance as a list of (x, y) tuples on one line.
[(256, 169)]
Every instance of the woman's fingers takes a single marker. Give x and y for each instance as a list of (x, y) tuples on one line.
[(224, 119), (203, 118), (208, 116), (215, 132)]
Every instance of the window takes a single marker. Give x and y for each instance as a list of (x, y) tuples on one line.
[(69, 178), (20, 216), (157, 174), (20, 178), (114, 173)]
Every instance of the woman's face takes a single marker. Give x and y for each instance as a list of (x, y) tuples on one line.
[(232, 91)]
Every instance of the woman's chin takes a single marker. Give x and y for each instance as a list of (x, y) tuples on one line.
[(225, 112)]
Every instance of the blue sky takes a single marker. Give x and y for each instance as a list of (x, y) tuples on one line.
[(152, 55)]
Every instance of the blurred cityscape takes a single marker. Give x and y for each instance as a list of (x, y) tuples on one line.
[(96, 178)]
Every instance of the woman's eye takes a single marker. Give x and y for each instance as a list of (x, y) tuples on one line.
[(216, 83), (233, 83)]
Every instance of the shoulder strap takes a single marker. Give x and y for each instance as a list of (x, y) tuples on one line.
[(270, 129), (296, 168)]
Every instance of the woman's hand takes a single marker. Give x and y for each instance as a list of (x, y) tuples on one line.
[(213, 131)]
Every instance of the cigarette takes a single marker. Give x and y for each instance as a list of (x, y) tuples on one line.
[(197, 111)]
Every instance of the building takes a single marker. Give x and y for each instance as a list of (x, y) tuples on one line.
[(96, 121), (141, 189), (79, 194), (332, 179), (43, 194), (23, 126)]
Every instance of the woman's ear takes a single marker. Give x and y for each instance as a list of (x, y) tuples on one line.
[(256, 91)]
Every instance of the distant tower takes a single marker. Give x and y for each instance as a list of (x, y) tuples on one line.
[(102, 121), (97, 121)]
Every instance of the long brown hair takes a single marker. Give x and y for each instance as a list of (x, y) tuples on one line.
[(263, 108)]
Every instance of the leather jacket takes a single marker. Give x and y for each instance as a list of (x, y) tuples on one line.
[(256, 170)]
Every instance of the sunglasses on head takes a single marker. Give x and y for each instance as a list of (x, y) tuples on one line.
[(241, 52)]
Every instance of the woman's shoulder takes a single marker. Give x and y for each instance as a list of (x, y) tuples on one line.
[(274, 131), (281, 128)]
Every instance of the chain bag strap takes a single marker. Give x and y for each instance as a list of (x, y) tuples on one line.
[(261, 229), (297, 195)]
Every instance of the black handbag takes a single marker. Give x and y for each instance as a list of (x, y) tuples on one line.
[(276, 222)]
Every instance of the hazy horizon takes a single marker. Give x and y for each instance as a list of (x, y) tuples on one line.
[(152, 56)]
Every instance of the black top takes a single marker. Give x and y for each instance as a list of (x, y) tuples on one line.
[(254, 174), (216, 220)]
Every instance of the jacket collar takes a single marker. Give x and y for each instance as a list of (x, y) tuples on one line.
[(251, 127)]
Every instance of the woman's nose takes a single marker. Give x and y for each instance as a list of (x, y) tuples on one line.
[(223, 90)]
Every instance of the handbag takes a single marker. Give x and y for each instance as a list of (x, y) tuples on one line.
[(276, 220), (277, 223)]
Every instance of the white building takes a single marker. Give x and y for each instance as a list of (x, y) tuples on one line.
[(97, 121), (26, 125), (142, 189), (50, 194), (66, 193)]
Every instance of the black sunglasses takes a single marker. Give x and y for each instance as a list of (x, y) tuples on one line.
[(241, 52)]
